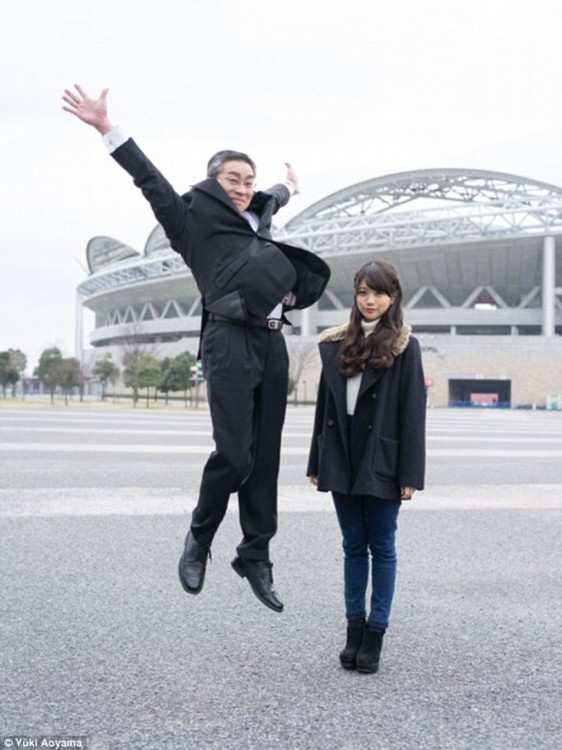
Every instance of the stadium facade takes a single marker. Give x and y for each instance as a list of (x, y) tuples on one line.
[(479, 254)]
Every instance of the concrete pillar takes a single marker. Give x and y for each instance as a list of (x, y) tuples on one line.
[(305, 322), (78, 328), (548, 286)]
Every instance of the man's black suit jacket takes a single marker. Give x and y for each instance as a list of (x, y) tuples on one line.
[(240, 273)]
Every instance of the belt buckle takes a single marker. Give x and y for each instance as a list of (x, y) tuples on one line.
[(274, 325)]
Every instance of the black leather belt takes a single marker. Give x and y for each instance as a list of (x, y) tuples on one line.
[(271, 324)]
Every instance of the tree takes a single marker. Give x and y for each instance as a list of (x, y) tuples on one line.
[(19, 362), (130, 364), (177, 374), (291, 386), (49, 369), (8, 374), (141, 370), (149, 374), (70, 375), (165, 365), (133, 349), (12, 365), (107, 371)]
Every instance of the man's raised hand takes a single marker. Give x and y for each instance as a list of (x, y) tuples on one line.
[(91, 111), (292, 178)]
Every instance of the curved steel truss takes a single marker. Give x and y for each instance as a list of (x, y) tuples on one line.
[(494, 206), (139, 270), (458, 185)]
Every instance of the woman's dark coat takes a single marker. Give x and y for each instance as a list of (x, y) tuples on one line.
[(388, 426)]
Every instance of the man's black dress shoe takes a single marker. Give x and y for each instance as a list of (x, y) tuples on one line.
[(193, 563), (260, 578)]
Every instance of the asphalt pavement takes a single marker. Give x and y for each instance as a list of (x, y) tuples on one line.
[(101, 646)]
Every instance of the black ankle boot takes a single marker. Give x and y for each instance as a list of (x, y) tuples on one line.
[(369, 654), (352, 644)]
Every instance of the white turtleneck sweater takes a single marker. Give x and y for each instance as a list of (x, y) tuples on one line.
[(354, 382)]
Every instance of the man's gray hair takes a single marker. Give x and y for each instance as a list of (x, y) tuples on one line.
[(215, 162)]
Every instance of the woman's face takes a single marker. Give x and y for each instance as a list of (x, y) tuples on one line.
[(371, 304)]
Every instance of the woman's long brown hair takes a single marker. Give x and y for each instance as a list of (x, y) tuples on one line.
[(358, 351)]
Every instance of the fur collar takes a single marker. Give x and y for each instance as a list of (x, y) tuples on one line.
[(337, 333)]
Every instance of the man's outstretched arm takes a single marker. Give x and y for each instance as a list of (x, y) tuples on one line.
[(168, 207)]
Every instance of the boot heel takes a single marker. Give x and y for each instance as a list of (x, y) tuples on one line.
[(369, 654), (348, 656)]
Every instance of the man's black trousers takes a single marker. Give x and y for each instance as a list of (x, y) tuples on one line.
[(246, 368)]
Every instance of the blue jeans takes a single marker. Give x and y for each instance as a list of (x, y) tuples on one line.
[(368, 525)]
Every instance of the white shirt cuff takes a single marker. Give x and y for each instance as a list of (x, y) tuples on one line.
[(114, 139)]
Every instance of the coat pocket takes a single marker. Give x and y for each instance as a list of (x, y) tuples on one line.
[(385, 459)]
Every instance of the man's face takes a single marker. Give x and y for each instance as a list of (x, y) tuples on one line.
[(237, 179)]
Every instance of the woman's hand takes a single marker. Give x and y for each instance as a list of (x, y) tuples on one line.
[(407, 493)]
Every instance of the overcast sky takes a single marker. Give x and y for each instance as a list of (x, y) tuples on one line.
[(347, 91)]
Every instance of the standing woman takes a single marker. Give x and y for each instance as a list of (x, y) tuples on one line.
[(368, 448)]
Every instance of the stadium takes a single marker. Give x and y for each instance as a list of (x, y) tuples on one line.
[(478, 254)]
